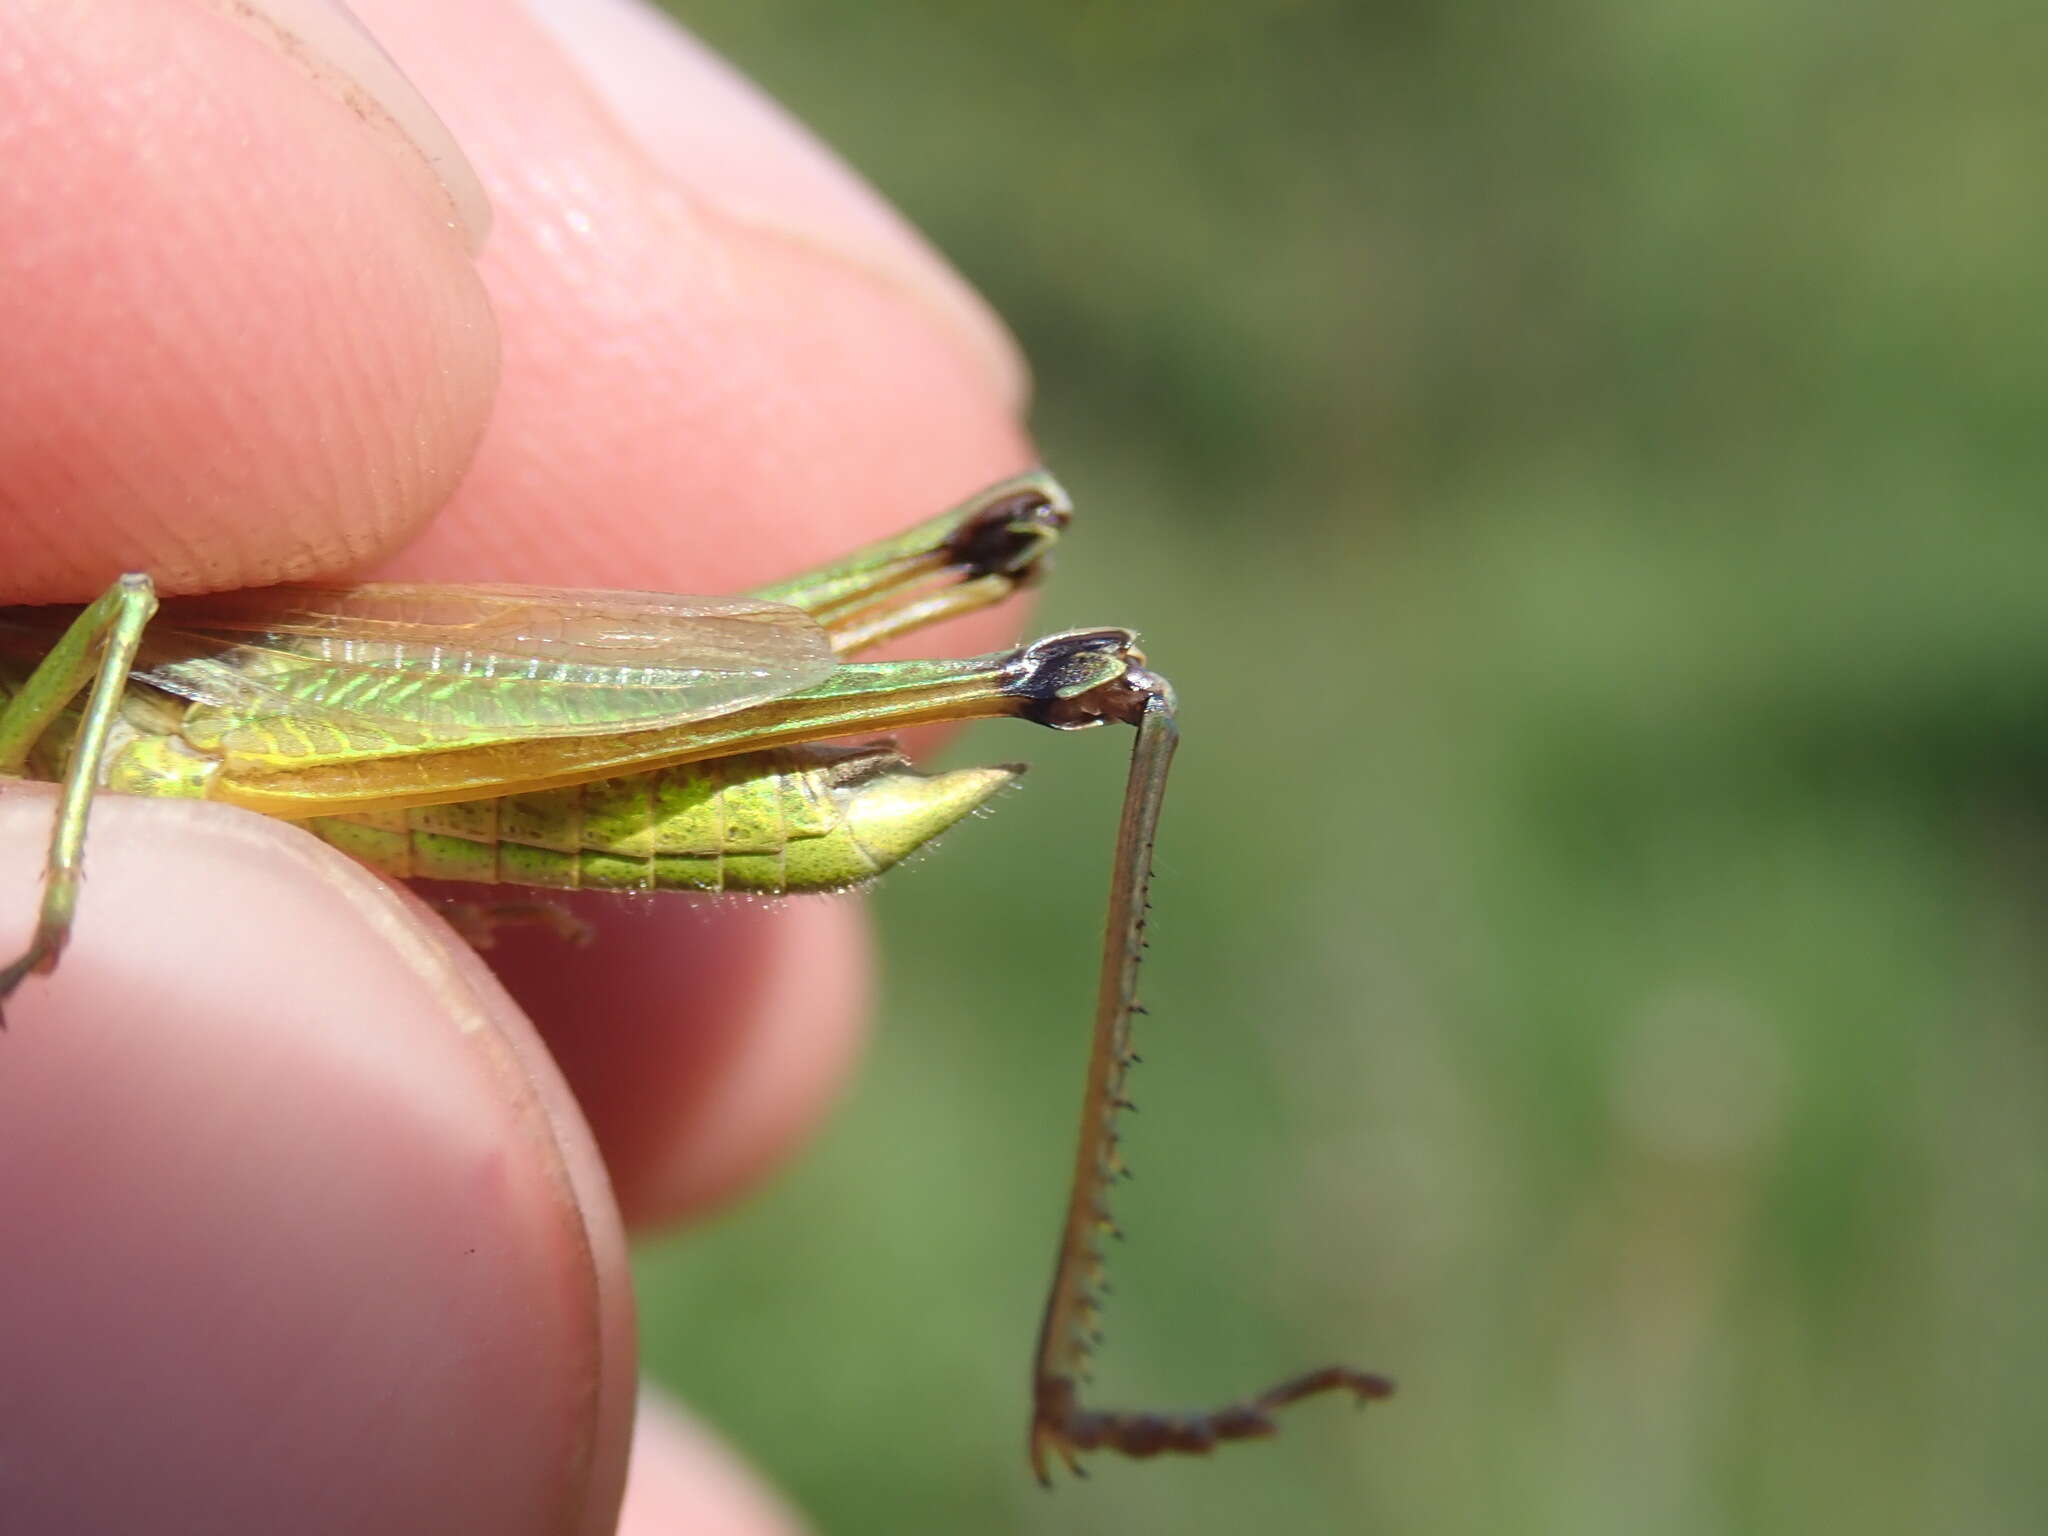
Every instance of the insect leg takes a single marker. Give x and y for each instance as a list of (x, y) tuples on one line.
[(479, 921), (965, 559), (95, 653), (1060, 1423)]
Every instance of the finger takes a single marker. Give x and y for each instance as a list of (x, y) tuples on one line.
[(684, 1482), (721, 1032), (303, 1229), (704, 387), (241, 337), (698, 395)]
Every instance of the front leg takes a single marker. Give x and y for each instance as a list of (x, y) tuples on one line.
[(96, 652)]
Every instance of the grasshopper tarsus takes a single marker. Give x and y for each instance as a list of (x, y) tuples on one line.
[(1062, 1425), (1365, 1386)]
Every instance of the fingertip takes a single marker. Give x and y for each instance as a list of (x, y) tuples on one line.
[(319, 1245), (241, 340), (703, 1040)]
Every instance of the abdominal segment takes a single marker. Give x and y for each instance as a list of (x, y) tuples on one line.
[(781, 822)]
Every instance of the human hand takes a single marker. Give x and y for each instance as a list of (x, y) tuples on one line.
[(307, 1231)]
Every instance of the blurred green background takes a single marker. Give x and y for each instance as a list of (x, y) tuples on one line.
[(1581, 463)]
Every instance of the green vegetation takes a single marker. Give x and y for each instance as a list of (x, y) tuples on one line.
[(1581, 464)]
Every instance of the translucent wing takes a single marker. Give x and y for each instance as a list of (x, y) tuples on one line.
[(398, 665)]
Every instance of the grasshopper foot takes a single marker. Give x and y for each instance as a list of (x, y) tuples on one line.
[(1060, 1424)]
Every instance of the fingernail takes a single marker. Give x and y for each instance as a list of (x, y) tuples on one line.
[(711, 128), (324, 38)]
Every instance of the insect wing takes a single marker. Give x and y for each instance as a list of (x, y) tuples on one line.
[(393, 664)]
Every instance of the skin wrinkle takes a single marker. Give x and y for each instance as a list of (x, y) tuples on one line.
[(663, 201), (183, 273), (750, 404), (593, 36), (667, 198), (352, 421), (151, 520), (148, 518), (468, 208), (195, 406), (764, 415), (420, 476), (159, 523), (556, 342)]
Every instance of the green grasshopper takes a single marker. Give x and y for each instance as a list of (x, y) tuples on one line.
[(625, 741)]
